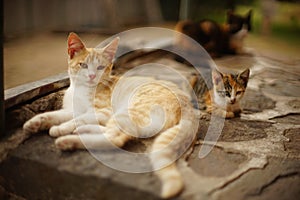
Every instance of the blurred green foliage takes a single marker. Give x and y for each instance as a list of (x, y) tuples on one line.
[(285, 24)]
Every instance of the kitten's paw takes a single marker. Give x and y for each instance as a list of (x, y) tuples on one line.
[(171, 188), (230, 115), (34, 124), (69, 142), (237, 113), (90, 129)]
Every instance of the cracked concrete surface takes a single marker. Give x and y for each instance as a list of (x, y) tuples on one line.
[(256, 157)]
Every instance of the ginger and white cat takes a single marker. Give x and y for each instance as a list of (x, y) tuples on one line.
[(90, 94), (227, 91)]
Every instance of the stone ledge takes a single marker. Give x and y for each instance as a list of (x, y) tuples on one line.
[(26, 92)]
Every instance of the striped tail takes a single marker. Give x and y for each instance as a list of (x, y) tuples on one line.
[(167, 148)]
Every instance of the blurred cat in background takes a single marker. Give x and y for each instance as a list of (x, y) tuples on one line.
[(216, 39)]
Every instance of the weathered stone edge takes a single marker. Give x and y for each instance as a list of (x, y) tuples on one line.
[(26, 92)]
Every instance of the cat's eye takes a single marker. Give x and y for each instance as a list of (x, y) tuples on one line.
[(227, 94), (238, 92), (100, 67), (83, 65)]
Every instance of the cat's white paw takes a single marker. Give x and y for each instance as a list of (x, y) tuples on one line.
[(34, 124), (54, 131), (69, 142), (90, 129), (62, 129), (171, 188)]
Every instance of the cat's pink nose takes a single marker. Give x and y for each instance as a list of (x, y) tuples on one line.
[(92, 76)]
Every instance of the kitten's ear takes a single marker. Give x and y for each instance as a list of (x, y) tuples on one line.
[(111, 49), (217, 77), (248, 20), (249, 14), (75, 45), (244, 76)]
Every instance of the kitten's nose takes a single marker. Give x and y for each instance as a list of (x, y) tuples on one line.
[(92, 76), (232, 100)]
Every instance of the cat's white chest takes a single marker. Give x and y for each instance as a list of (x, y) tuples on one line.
[(78, 100)]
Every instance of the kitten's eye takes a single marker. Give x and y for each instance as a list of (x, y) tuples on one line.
[(100, 67), (238, 92), (83, 65), (227, 94)]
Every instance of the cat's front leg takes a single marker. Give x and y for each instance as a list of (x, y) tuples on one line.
[(70, 126), (46, 120), (112, 138), (103, 141), (90, 129)]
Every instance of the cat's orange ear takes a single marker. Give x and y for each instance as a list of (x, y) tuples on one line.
[(110, 50), (75, 44), (217, 76)]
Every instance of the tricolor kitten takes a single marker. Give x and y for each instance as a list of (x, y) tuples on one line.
[(224, 97), (90, 92)]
